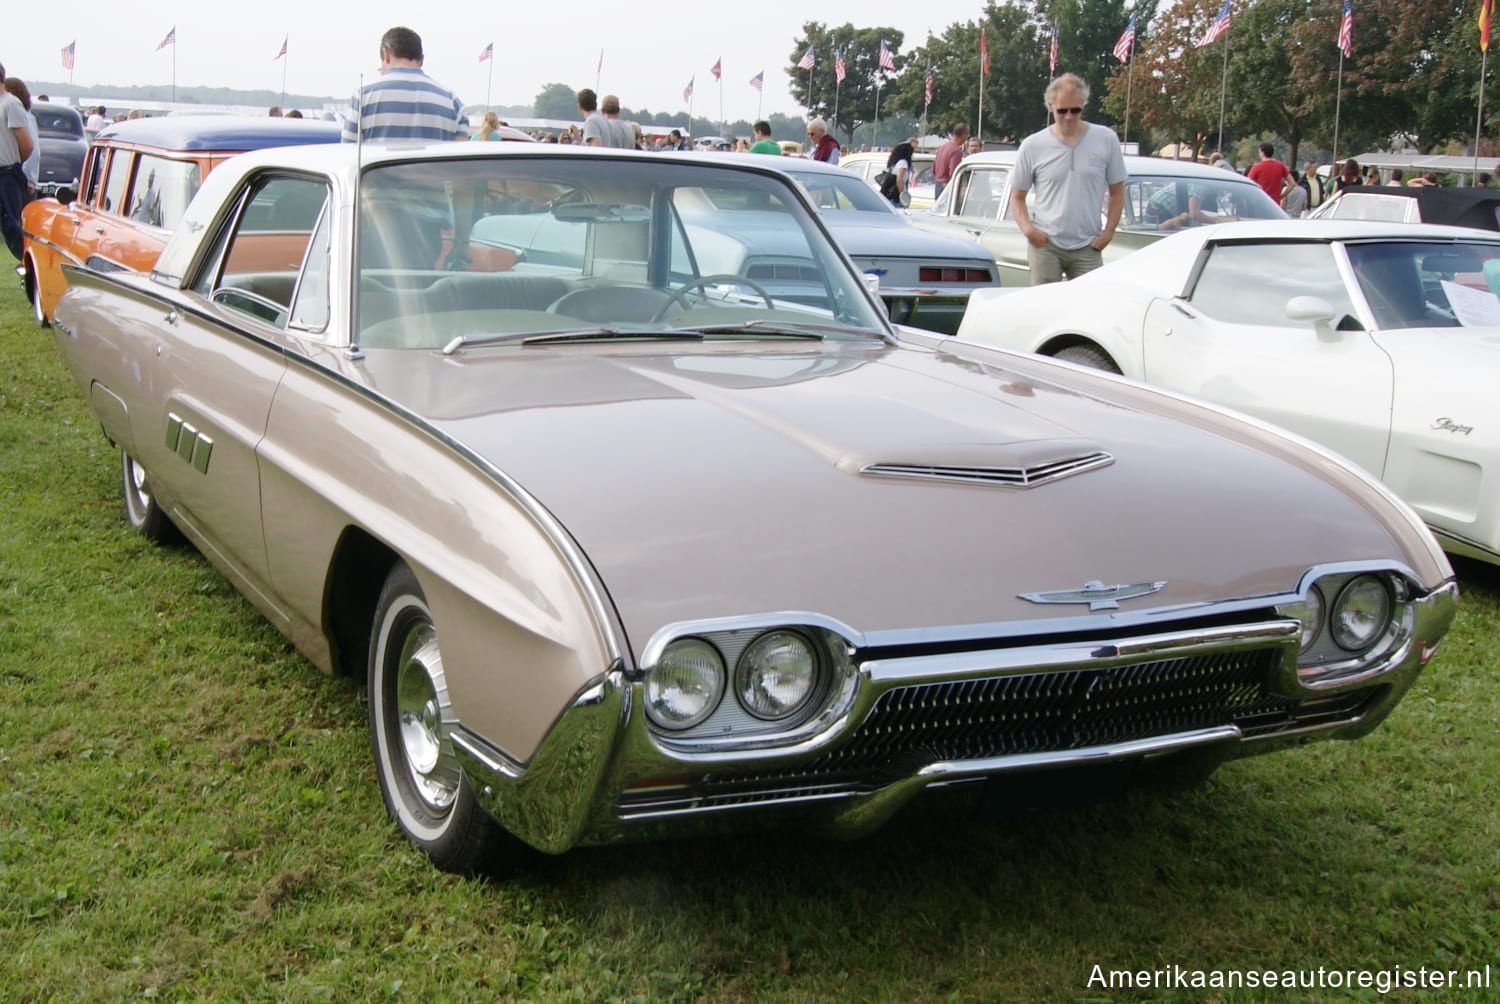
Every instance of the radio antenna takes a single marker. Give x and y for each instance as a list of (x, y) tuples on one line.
[(353, 351)]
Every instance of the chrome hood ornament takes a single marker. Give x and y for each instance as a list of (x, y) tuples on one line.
[(1096, 594)]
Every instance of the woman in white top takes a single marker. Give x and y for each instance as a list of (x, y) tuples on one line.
[(898, 165)]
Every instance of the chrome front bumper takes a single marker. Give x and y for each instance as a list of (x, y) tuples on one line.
[(601, 775)]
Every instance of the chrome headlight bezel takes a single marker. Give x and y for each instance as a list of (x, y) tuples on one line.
[(738, 723), (1330, 655)]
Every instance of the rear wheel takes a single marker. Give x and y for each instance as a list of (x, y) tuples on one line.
[(425, 790), (144, 514), (1087, 354)]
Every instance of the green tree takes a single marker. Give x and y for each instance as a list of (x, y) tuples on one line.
[(556, 101), (848, 104)]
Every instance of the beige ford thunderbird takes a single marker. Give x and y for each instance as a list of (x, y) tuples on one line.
[(638, 527)]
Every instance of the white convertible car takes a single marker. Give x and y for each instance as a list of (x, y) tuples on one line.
[(1377, 340)]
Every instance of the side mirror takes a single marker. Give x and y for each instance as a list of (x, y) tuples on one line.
[(1312, 310), (66, 195)]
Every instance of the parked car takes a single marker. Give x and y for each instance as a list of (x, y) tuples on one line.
[(60, 135), (136, 182), (627, 547), (1462, 207), (868, 165), (925, 278), (1161, 196), (1375, 339)]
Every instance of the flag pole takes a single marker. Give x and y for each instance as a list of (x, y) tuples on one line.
[(1129, 77), (489, 82), (284, 61), (980, 132), (1338, 104), (1223, 87), (875, 135), (1484, 55)]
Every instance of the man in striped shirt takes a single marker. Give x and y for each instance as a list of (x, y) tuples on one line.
[(405, 103)]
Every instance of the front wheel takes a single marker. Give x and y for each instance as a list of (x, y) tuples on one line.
[(144, 514), (1088, 354), (424, 787), (34, 288)]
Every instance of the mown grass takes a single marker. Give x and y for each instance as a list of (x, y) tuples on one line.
[(188, 812)]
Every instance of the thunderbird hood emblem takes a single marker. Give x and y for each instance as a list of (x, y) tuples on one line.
[(1096, 594)]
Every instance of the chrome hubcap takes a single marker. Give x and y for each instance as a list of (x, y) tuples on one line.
[(421, 707), (140, 492)]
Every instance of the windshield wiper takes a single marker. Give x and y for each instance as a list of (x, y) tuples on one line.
[(772, 329), (565, 335), (600, 334)]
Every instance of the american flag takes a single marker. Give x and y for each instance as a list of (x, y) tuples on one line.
[(282, 51), (1219, 27), (687, 92), (806, 63), (171, 39), (984, 55), (1126, 42), (488, 52), (1052, 54), (928, 84), (839, 72), (759, 81), (68, 52), (886, 60), (1346, 31), (717, 69)]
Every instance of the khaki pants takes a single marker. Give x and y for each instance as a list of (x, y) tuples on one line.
[(1051, 263)]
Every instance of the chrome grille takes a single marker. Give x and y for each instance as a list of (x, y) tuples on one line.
[(1015, 477), (910, 727)]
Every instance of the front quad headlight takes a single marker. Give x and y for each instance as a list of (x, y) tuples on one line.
[(686, 684), (777, 675), (1351, 621), (1361, 613), (759, 681)]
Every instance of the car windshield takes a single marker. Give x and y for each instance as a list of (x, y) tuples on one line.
[(516, 248), (1416, 284)]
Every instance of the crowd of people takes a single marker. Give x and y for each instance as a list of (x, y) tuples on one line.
[(404, 103)]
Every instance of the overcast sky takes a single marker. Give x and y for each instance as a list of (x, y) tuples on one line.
[(650, 49)]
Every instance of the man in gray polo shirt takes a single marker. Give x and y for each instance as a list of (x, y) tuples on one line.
[(1067, 168)]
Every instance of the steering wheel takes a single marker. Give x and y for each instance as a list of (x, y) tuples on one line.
[(680, 296)]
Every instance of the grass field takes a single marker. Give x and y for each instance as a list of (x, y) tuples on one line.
[(188, 812)]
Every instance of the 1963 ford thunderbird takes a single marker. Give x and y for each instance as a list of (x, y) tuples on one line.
[(634, 533)]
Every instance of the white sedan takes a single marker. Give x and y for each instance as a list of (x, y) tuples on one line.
[(1380, 341)]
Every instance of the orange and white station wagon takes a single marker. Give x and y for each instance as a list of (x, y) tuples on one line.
[(138, 178)]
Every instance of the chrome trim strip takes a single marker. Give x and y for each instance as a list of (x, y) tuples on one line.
[(1079, 655)]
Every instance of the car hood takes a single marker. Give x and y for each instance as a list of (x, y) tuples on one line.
[(729, 479), (885, 235)]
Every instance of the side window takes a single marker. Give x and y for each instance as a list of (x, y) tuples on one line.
[(264, 253), (162, 190), (312, 308), (981, 194), (117, 181), (1251, 283), (93, 171)]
